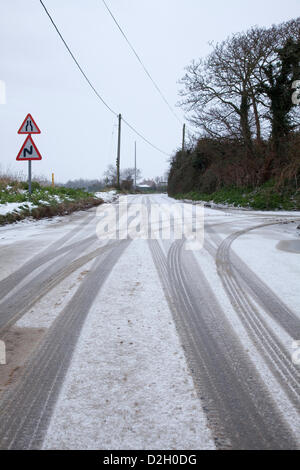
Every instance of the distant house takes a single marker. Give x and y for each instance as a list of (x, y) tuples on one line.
[(144, 188)]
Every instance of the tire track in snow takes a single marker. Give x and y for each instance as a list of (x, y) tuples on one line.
[(14, 308), (16, 304), (277, 358), (26, 409), (276, 308), (241, 413)]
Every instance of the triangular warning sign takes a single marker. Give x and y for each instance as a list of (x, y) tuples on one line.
[(29, 151), (29, 126)]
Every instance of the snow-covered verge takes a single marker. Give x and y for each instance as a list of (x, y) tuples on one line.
[(107, 196), (128, 385), (269, 196), (16, 204), (10, 207), (213, 205)]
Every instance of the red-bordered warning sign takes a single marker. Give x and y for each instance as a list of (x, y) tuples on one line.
[(29, 126), (29, 151)]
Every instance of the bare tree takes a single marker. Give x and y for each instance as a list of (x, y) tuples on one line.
[(218, 90), (110, 175), (126, 174), (129, 173), (231, 93)]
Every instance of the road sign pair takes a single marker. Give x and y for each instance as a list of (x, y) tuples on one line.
[(29, 150)]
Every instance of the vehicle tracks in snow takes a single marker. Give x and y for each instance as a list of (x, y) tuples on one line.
[(240, 411), (270, 347), (26, 409)]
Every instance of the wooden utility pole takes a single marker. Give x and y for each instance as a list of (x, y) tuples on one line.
[(119, 152), (135, 165), (183, 138)]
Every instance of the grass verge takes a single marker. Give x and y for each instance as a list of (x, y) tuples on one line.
[(15, 203), (265, 197)]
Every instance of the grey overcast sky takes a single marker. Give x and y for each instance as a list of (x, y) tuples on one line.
[(78, 136)]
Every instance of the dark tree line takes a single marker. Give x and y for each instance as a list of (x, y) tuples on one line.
[(108, 180), (239, 100)]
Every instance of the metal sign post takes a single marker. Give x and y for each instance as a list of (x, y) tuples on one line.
[(29, 177)]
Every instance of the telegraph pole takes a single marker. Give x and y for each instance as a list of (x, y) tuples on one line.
[(119, 152), (183, 138), (135, 165)]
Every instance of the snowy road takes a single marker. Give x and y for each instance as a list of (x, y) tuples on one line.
[(142, 344)]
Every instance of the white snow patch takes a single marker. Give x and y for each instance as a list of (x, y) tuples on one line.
[(44, 203), (9, 207), (29, 205), (107, 196)]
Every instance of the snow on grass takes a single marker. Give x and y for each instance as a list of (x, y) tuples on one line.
[(128, 385), (16, 207), (57, 198), (16, 203), (44, 203), (9, 207), (107, 196), (239, 209)]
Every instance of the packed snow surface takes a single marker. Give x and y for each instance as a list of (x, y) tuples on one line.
[(128, 385)]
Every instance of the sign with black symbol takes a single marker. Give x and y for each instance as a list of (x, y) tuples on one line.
[(29, 126), (29, 151)]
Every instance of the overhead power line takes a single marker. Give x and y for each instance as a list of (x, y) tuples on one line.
[(141, 62), (76, 62), (94, 89), (144, 138)]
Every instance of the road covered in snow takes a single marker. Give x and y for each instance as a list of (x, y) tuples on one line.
[(151, 324)]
